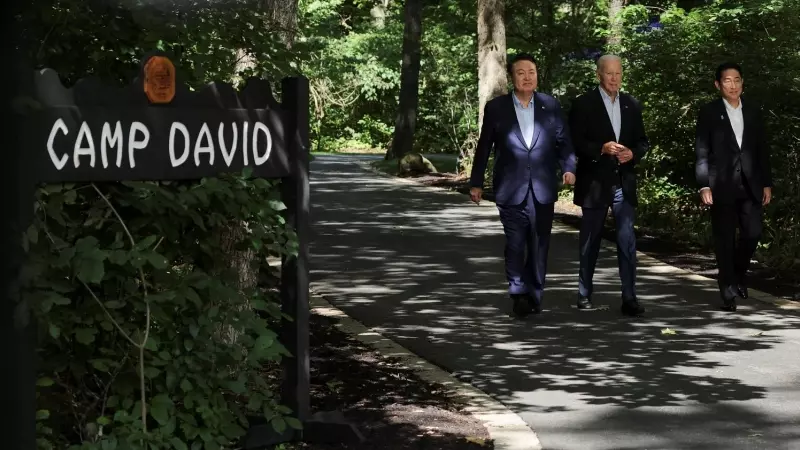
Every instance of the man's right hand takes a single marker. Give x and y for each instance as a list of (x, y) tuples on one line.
[(611, 148), (705, 196), (475, 195)]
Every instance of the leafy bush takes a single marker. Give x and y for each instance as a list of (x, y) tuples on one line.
[(154, 302), (671, 71), (145, 326)]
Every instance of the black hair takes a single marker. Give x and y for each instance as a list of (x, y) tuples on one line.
[(517, 58), (727, 66)]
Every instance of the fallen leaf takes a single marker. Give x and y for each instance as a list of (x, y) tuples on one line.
[(668, 331)]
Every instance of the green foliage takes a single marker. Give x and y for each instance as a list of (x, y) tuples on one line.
[(354, 69), (153, 332), (671, 71), (133, 276)]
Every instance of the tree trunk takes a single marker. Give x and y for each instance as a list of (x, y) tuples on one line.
[(379, 12), (403, 139), (492, 80), (283, 18), (283, 14), (615, 24), (552, 51)]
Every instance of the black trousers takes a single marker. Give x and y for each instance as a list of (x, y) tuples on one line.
[(734, 254), (527, 227), (591, 236)]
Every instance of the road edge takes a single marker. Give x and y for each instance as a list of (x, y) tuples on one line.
[(755, 294), (506, 429)]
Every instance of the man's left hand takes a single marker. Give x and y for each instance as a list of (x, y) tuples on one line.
[(625, 155), (767, 196), (569, 178)]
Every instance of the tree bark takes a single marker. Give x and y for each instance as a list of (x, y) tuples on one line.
[(379, 12), (615, 24), (405, 125), (283, 14), (492, 80), (283, 18)]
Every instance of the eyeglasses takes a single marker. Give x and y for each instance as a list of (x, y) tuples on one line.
[(729, 82)]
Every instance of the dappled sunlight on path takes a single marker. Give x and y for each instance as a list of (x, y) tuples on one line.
[(425, 268)]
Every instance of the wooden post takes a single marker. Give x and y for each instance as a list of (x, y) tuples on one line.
[(17, 329), (294, 270)]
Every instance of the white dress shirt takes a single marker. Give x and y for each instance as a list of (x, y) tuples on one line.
[(525, 118), (612, 108), (737, 120)]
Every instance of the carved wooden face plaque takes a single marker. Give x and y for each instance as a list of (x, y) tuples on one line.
[(159, 80)]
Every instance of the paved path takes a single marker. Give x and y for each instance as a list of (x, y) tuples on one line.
[(425, 268)]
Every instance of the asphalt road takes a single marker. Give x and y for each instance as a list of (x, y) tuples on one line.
[(425, 268)]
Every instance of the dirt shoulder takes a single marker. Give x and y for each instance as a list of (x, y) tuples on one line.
[(779, 283), (390, 404)]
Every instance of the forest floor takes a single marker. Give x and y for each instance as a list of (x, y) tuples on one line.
[(387, 402)]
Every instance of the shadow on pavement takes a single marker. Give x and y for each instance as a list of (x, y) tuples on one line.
[(426, 269)]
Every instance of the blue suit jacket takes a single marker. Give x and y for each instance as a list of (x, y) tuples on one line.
[(516, 166)]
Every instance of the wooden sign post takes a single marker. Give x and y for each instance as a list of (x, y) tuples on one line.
[(152, 130)]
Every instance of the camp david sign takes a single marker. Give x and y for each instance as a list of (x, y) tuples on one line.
[(79, 135), (93, 144)]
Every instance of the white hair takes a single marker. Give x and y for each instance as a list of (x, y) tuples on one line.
[(601, 61)]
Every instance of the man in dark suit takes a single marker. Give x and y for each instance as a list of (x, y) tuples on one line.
[(530, 140), (735, 178), (609, 137)]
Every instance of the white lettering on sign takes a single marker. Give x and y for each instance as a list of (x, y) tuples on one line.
[(134, 144), (84, 134), (177, 126), (59, 163), (205, 144), (138, 138), (208, 147), (203, 149), (259, 160), (228, 157), (111, 140)]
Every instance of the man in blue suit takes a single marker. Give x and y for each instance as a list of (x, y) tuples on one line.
[(530, 140)]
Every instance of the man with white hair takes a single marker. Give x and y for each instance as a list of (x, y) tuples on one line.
[(609, 139)]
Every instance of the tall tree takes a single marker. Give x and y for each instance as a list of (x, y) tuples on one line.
[(282, 17), (492, 80), (615, 22), (405, 125)]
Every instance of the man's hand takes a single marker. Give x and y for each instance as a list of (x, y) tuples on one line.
[(624, 155), (475, 195), (569, 178), (705, 196), (767, 196), (610, 148)]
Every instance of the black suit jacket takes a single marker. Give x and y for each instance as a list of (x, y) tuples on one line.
[(716, 150), (516, 167), (597, 173)]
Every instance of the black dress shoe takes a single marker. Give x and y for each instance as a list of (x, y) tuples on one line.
[(522, 305), (536, 305), (631, 307), (742, 291), (729, 304), (585, 303)]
